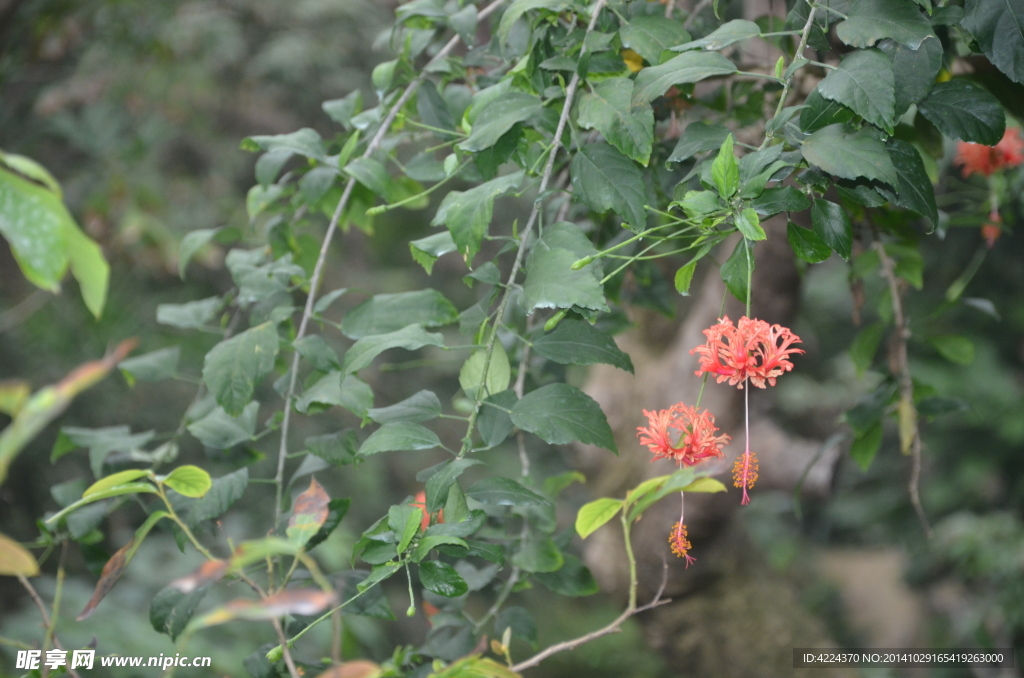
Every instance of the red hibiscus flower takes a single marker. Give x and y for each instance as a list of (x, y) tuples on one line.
[(751, 349), (986, 160), (682, 433)]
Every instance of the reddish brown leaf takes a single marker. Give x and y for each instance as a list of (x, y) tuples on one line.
[(207, 573), (111, 573), (298, 601), (311, 510)]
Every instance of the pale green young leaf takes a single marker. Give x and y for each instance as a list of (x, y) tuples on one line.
[(595, 514)]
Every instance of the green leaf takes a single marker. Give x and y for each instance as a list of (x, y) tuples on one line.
[(832, 226), (521, 7), (498, 116), (401, 435), (192, 243), (88, 267), (404, 521), (595, 514), (425, 251), (411, 338), (306, 142), (706, 485), (998, 26), (864, 82), (865, 446), (780, 199), (190, 481), (372, 174), (914, 190), (432, 541), (385, 313), (820, 112), (737, 269), (335, 448), (654, 81), (192, 315), (315, 350), (172, 609), (471, 376), (649, 36), (653, 490), (439, 485), (727, 34), (559, 414), (233, 367), (572, 579), (467, 214), (441, 578), (914, 70), (697, 138), (725, 171), (342, 110), (152, 366), (220, 431), (683, 278), (962, 110), (33, 170), (872, 20), (627, 127), (336, 510), (954, 348), (538, 553), (117, 491), (864, 347), (493, 422), (806, 244), (421, 406), (577, 342), (116, 479), (551, 283), (505, 492), (749, 225), (698, 203), (336, 388), (849, 155), (604, 179), (224, 492)]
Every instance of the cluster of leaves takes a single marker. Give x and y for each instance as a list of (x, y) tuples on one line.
[(560, 98)]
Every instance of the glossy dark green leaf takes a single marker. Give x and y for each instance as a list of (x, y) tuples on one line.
[(962, 110), (441, 578), (467, 214), (864, 82), (559, 414), (914, 190), (234, 366), (832, 226), (806, 244), (604, 179), (725, 171), (737, 269), (577, 342), (872, 20), (627, 127), (698, 137), (493, 422), (749, 225), (780, 199), (914, 70), (654, 81), (821, 112), (439, 484), (551, 283), (849, 154), (998, 26)]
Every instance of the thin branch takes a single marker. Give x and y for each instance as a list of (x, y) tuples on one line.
[(321, 260), (805, 34), (289, 662), (901, 363), (23, 310), (45, 615)]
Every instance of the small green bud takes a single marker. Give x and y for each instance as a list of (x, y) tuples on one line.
[(580, 263), (555, 319), (275, 654), (411, 612)]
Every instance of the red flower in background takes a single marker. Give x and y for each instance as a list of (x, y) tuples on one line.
[(986, 160), (751, 349), (421, 504), (682, 433)]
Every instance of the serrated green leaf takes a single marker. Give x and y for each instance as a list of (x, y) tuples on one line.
[(505, 492), (467, 214), (336, 388), (152, 366), (749, 225), (914, 190), (494, 422), (441, 578), (820, 112), (604, 179), (649, 36), (551, 283), (191, 315), (521, 7), (864, 82), (577, 342), (869, 21), (849, 155), (538, 553), (780, 199), (725, 171), (914, 70), (737, 269), (727, 34), (421, 406), (627, 127), (233, 367), (471, 376), (498, 116), (189, 480), (402, 435), (335, 448), (385, 313), (806, 244), (426, 251), (998, 26), (220, 431), (698, 137), (411, 338), (559, 414), (962, 110), (654, 81)]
